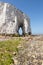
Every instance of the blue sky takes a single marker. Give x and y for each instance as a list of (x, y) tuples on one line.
[(34, 9)]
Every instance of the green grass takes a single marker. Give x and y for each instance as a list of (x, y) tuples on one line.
[(6, 50)]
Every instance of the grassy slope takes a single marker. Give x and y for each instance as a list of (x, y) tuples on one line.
[(7, 48)]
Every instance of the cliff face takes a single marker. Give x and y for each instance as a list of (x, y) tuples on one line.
[(9, 16)]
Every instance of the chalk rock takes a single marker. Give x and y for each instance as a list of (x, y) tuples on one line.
[(12, 18)]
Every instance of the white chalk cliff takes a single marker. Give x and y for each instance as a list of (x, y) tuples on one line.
[(12, 18)]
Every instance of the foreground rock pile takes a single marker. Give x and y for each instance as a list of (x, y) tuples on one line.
[(30, 51)]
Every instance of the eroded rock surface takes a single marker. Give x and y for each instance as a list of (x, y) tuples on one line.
[(11, 19)]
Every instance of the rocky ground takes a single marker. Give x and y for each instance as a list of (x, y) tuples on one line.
[(30, 51)]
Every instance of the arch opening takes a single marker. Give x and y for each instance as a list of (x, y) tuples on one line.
[(20, 31)]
